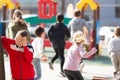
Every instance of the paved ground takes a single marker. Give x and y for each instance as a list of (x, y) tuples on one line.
[(99, 66), (89, 71)]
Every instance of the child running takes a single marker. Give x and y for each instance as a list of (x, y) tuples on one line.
[(74, 56), (38, 44)]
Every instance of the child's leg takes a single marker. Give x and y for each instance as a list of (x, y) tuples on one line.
[(77, 75), (73, 75), (67, 73), (37, 66), (55, 56)]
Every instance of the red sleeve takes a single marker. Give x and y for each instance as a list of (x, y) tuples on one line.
[(6, 42), (28, 54)]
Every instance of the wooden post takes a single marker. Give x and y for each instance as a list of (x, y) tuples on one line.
[(2, 70), (94, 27), (96, 18), (4, 18), (82, 13), (63, 6)]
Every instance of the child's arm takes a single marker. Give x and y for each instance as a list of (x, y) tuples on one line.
[(39, 46), (6, 42), (85, 54)]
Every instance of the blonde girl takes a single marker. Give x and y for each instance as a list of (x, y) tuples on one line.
[(74, 56)]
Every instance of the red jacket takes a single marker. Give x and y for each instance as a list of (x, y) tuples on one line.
[(20, 60)]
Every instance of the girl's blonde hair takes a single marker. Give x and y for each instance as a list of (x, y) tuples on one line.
[(80, 35)]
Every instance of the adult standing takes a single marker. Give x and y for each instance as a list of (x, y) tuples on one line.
[(17, 23), (57, 33), (38, 55)]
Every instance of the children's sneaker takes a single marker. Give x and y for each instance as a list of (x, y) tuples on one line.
[(51, 65)]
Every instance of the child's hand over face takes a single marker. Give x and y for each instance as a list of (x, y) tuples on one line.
[(24, 41), (21, 41)]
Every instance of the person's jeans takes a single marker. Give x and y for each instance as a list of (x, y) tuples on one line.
[(73, 75), (37, 66)]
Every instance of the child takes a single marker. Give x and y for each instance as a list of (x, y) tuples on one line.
[(38, 44), (114, 50), (21, 56), (57, 33), (74, 56)]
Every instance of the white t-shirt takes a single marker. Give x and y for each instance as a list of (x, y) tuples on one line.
[(37, 44)]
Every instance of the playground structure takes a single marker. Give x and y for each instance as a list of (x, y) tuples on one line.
[(47, 8), (94, 6), (47, 11), (81, 5), (8, 4)]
